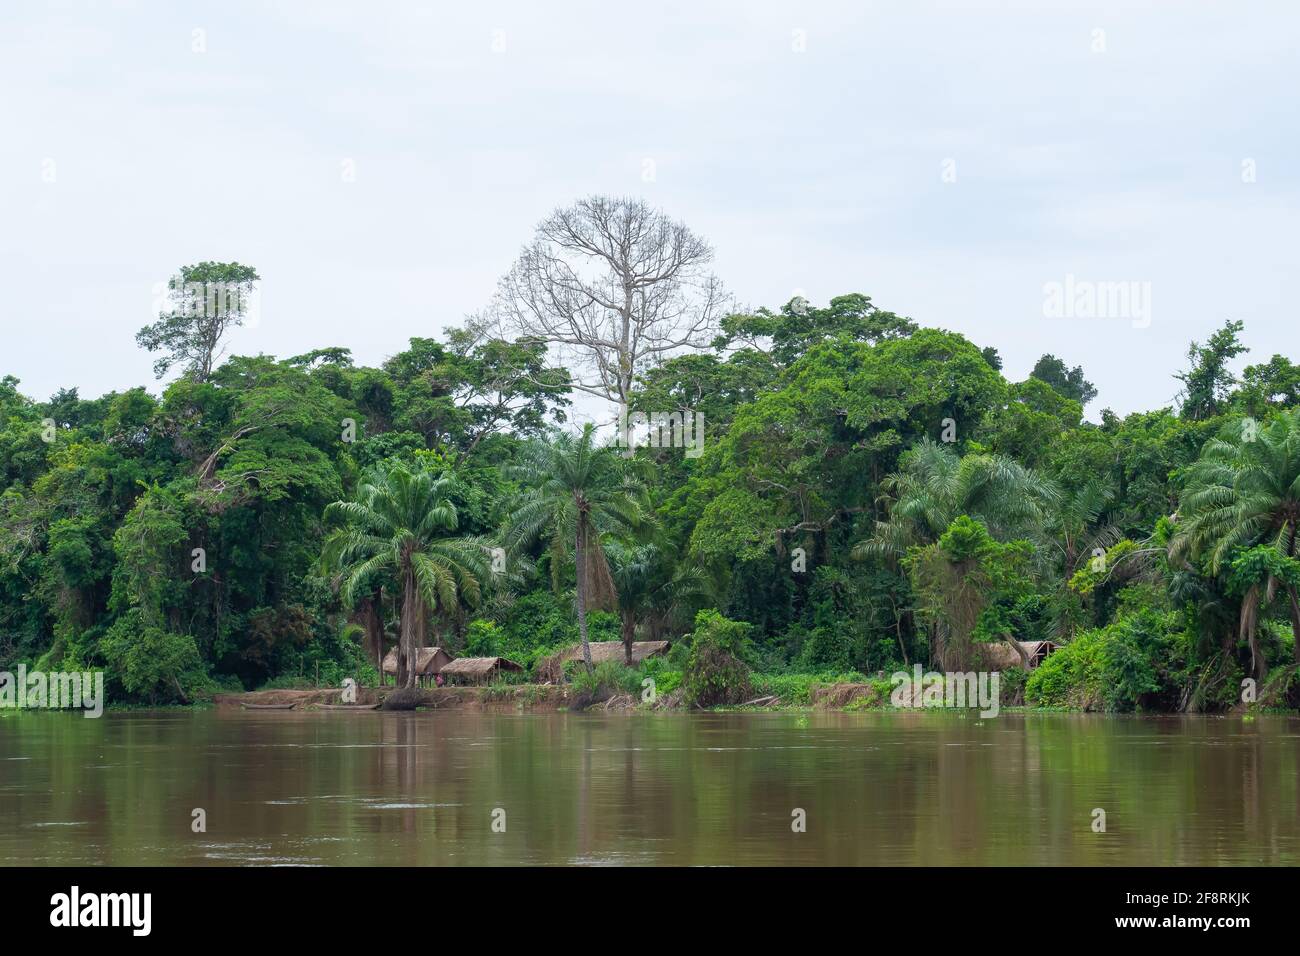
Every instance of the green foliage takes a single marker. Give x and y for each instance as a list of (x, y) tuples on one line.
[(1067, 382), (716, 672), (872, 494), (610, 677), (207, 300), (1115, 668), (1258, 564), (151, 663), (1207, 381), (667, 678), (795, 690)]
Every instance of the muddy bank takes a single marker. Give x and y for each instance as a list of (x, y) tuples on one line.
[(836, 696), (532, 697), (539, 698)]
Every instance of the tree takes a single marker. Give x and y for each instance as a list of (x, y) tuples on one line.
[(150, 662), (1077, 525), (935, 486), (647, 585), (1075, 531), (716, 672), (575, 491), (1243, 491), (207, 300), (958, 580), (1068, 382), (459, 393), (803, 460), (398, 524), (1033, 416), (1274, 384), (787, 335), (1256, 576), (1207, 383), (613, 285)]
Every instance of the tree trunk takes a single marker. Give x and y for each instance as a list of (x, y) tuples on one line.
[(370, 617), (1294, 600), (1291, 595), (1015, 645), (629, 635), (580, 562), (411, 617)]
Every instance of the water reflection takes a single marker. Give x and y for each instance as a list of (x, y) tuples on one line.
[(291, 788)]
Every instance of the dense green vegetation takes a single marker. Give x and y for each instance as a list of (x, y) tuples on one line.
[(871, 494)]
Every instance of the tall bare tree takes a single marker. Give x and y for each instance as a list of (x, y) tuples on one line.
[(613, 286)]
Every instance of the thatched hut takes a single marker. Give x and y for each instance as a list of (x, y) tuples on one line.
[(1003, 656), (478, 670), (550, 670), (429, 662)]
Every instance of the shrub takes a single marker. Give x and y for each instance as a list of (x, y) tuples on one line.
[(796, 689), (607, 677), (716, 673), (1112, 668), (667, 678), (152, 664)]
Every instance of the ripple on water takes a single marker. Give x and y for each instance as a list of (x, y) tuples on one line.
[(60, 823)]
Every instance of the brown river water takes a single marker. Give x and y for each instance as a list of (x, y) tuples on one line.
[(290, 788)]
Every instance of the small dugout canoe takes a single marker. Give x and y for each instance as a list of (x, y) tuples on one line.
[(348, 706), (248, 706)]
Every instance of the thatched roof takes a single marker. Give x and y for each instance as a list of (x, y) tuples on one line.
[(613, 651), (478, 666), (1002, 654), (552, 668), (429, 661)]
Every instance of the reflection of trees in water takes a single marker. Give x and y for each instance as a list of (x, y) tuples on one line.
[(686, 789)]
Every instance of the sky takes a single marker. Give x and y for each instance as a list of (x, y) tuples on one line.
[(381, 164)]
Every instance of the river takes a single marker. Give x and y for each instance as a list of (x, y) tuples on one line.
[(291, 788)]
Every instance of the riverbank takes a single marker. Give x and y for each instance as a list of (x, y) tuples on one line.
[(496, 698), (841, 696)]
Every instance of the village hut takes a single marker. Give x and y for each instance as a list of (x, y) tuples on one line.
[(1003, 655), (478, 670), (550, 670), (429, 662)]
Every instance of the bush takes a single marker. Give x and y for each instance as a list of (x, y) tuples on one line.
[(1113, 668), (796, 689), (825, 646), (667, 678), (536, 625), (716, 673), (608, 677), (151, 664)]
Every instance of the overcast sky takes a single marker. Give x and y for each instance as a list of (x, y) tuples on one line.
[(948, 159)]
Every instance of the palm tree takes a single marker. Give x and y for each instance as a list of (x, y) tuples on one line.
[(647, 587), (935, 486), (1076, 529), (575, 491), (1244, 490), (1076, 526), (399, 524)]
